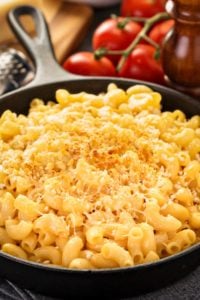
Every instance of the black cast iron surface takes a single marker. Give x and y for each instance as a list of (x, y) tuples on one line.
[(185, 289)]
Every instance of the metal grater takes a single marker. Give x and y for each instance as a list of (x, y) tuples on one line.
[(15, 70)]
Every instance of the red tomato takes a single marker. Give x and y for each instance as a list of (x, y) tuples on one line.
[(113, 35), (142, 65), (142, 8), (85, 63), (159, 31)]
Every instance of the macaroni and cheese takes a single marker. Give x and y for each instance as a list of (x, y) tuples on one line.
[(99, 181)]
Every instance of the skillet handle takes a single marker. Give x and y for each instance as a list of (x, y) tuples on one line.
[(39, 47)]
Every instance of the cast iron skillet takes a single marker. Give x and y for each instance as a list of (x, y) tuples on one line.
[(57, 281)]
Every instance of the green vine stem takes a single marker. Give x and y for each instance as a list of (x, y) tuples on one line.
[(142, 35), (151, 42)]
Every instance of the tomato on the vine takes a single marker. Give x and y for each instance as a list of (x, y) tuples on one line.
[(141, 64), (142, 8), (85, 63), (115, 34), (159, 31)]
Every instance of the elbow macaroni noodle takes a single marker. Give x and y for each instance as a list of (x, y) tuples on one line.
[(99, 181)]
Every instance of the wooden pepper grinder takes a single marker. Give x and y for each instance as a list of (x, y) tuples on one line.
[(181, 49)]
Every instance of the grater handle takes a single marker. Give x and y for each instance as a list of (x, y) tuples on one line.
[(38, 47)]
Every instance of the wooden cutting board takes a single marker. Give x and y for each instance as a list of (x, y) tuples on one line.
[(67, 28)]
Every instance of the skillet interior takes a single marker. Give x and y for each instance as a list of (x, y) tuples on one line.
[(111, 283)]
